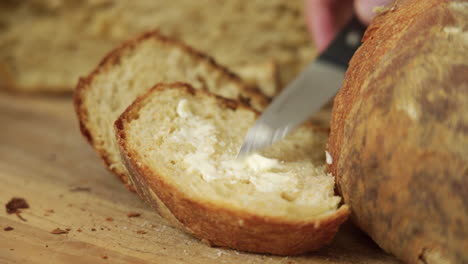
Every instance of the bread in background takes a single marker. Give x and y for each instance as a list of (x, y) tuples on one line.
[(45, 45)]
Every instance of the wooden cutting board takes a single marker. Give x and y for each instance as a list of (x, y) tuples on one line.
[(44, 160)]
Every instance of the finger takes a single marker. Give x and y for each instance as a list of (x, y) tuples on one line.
[(319, 21), (365, 9), (325, 18)]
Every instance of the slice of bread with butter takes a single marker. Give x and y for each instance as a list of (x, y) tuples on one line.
[(180, 145)]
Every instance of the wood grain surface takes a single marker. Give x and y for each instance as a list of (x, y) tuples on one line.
[(44, 160)]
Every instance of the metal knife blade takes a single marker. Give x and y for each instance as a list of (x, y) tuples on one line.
[(307, 93)]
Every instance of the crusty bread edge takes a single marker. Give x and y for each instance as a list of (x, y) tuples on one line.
[(356, 74), (112, 58), (378, 42), (221, 226)]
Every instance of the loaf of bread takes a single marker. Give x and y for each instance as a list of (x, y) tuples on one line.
[(132, 69), (399, 133), (180, 146), (45, 45)]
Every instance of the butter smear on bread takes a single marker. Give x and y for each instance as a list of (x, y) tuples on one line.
[(265, 173)]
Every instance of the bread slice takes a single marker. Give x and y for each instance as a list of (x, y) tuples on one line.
[(180, 145), (45, 45), (132, 69), (264, 76)]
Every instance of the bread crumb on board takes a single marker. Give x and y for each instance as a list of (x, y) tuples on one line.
[(15, 204), (133, 214), (58, 231)]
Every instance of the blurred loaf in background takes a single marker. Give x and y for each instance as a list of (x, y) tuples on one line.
[(45, 45)]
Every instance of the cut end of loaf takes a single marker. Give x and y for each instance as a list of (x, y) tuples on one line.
[(182, 144)]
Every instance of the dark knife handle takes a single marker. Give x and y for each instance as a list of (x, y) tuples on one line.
[(344, 45)]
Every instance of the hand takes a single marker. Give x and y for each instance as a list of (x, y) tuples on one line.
[(326, 17)]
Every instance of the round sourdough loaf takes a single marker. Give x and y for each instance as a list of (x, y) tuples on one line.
[(399, 132)]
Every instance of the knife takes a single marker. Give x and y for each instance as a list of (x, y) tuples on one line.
[(306, 94)]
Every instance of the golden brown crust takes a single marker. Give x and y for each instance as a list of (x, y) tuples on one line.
[(217, 225), (379, 39), (399, 132), (113, 58)]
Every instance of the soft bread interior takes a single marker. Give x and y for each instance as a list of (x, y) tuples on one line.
[(191, 142), (130, 71)]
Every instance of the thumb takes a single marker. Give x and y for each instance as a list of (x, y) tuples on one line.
[(365, 8)]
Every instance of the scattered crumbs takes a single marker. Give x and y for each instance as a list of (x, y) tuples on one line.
[(46, 246), (60, 196), (153, 226), (79, 230), (132, 214), (104, 257), (8, 228), (12, 249), (141, 232), (68, 229), (70, 205), (80, 189), (13, 206), (102, 228), (93, 229), (83, 209), (58, 231), (110, 219)]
